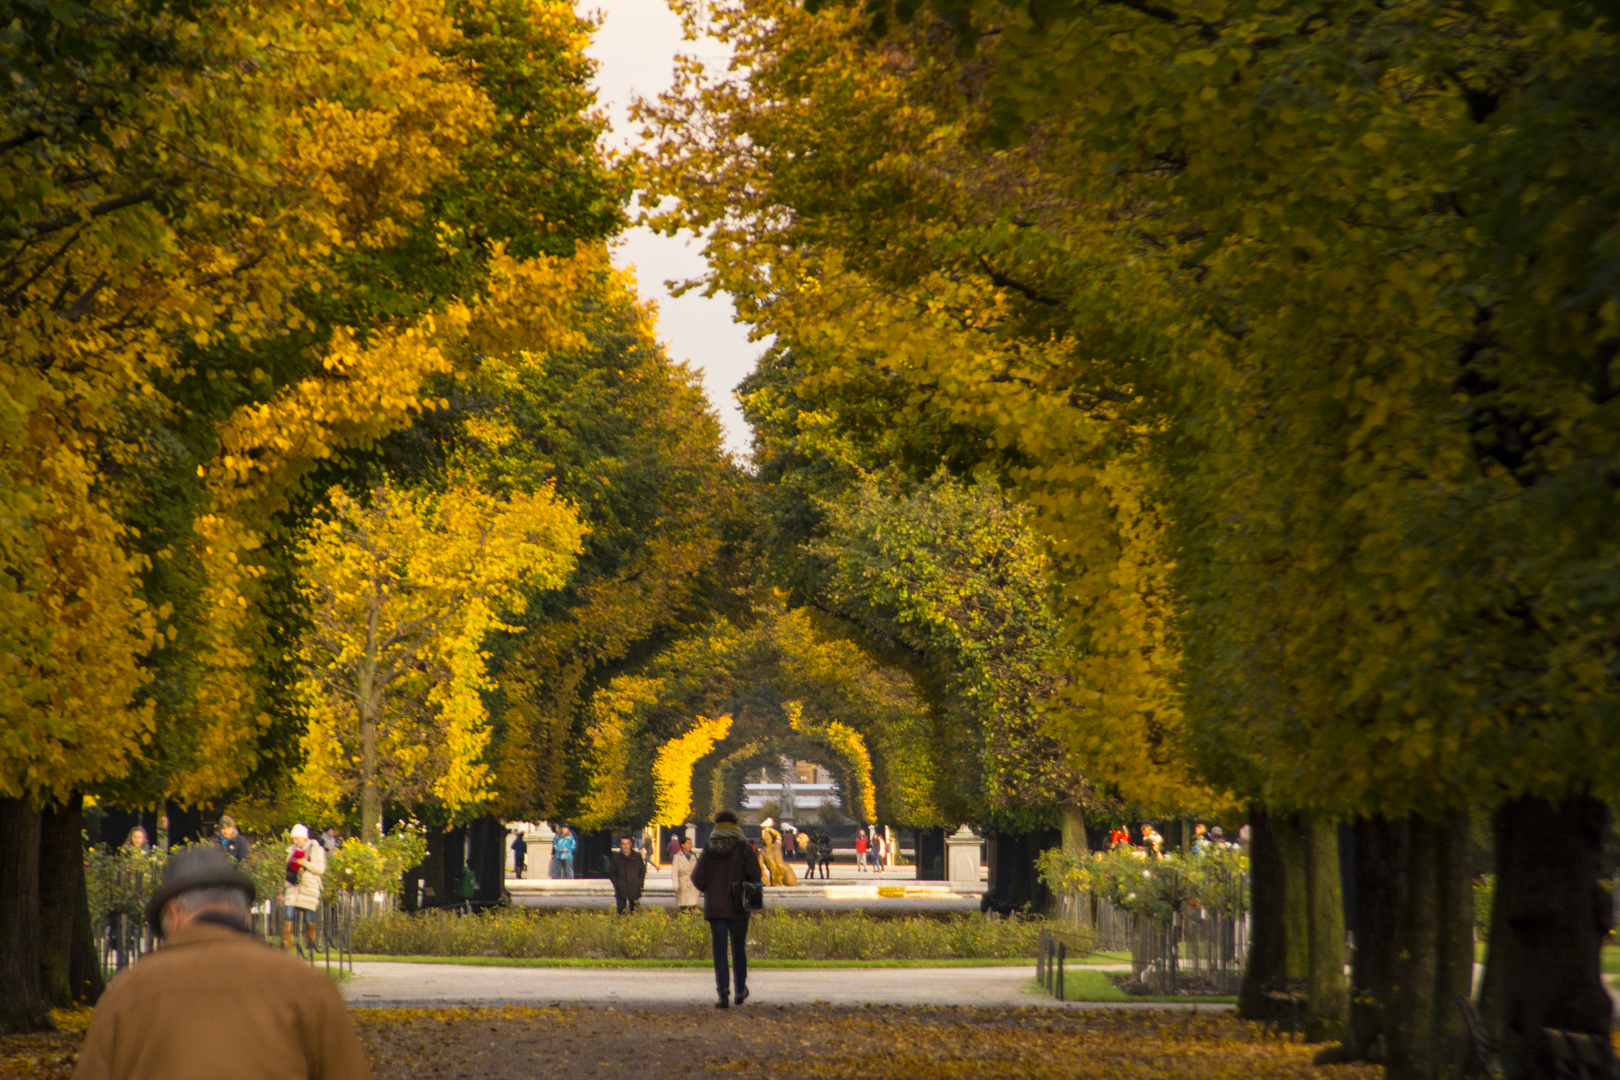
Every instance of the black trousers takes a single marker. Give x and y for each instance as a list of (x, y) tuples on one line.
[(625, 901), (736, 931)]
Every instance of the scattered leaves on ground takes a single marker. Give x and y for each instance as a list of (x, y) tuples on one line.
[(832, 1042)]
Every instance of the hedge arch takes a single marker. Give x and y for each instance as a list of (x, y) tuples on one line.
[(672, 770), (725, 773), (653, 754)]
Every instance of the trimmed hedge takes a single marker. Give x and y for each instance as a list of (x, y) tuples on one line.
[(654, 933)]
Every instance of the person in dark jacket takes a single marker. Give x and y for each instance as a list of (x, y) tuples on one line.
[(520, 853), (727, 859), (628, 872), (825, 847), (234, 843)]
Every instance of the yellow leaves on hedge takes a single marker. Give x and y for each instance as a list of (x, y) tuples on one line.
[(860, 801), (672, 769), (611, 711)]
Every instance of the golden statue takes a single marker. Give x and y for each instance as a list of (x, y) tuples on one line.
[(776, 867)]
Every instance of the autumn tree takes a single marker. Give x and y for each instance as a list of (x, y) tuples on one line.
[(187, 189), (1240, 306), (626, 436), (403, 592)]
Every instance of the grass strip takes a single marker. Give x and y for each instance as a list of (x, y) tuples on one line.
[(1084, 985)]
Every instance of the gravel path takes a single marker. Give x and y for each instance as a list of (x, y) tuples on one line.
[(381, 984)]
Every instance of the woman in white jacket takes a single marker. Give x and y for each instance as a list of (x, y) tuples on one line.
[(680, 869), (301, 900)]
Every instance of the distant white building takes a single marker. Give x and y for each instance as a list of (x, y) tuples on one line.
[(810, 788)]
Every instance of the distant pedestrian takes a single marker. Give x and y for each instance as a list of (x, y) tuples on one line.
[(562, 852), (214, 1001), (520, 853), (860, 852), (880, 849), (136, 842), (673, 846), (230, 841), (301, 900), (811, 851), (331, 840), (628, 872), (826, 854), (727, 861), (681, 865)]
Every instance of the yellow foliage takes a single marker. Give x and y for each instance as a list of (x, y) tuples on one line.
[(403, 593), (672, 770), (274, 157), (611, 711), (859, 801)]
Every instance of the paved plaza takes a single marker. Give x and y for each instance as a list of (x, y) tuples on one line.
[(894, 890)]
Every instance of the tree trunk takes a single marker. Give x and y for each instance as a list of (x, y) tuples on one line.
[(433, 869), (1454, 940), (1547, 932), (1073, 823), (1380, 852), (1410, 1022), (1296, 898), (85, 980), (489, 857), (370, 796), (1414, 945), (1325, 986), (1268, 960), (61, 879), (22, 1003)]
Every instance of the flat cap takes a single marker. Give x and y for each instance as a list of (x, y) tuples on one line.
[(203, 867)]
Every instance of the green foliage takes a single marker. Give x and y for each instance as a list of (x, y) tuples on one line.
[(656, 933), (949, 580), (1214, 876), (374, 868), (1296, 336)]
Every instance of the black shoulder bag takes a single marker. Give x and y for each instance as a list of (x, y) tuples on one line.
[(746, 895)]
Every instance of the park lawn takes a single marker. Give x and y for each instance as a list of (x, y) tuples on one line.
[(1611, 960), (1080, 984)]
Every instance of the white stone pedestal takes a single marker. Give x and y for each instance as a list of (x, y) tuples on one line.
[(962, 857)]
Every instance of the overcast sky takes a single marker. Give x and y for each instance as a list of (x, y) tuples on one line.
[(635, 49)]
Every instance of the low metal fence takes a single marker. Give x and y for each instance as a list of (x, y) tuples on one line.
[(1189, 943), (122, 934)]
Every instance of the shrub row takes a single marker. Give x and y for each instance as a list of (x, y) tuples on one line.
[(654, 933)]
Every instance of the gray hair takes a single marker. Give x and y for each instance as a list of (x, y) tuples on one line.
[(228, 897), (225, 896)]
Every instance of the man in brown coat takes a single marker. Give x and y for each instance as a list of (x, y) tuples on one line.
[(727, 859), (213, 1001)]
